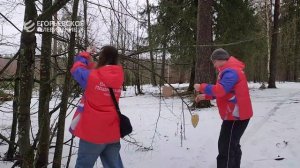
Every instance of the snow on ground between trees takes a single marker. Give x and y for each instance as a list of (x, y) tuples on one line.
[(271, 140)]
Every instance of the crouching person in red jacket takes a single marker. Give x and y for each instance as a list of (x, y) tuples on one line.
[(96, 121), (234, 104)]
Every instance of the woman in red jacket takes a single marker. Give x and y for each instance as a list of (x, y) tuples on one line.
[(232, 94), (96, 121)]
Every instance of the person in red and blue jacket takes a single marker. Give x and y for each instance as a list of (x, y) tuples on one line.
[(233, 100), (96, 121)]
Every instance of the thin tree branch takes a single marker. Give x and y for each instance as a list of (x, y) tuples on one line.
[(10, 22), (7, 140), (130, 15)]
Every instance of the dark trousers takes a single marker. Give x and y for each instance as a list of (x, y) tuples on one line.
[(230, 152)]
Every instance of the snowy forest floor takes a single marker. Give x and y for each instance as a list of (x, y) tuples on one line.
[(271, 140)]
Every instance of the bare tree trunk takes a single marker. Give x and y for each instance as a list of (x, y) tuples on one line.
[(44, 96), (55, 52), (70, 152), (274, 46), (86, 40), (119, 26), (137, 78), (192, 77), (204, 70), (268, 35), (11, 149), (27, 59), (153, 80), (65, 95), (163, 63), (297, 46), (111, 26), (137, 66)]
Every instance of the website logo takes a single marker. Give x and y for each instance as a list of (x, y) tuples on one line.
[(29, 26)]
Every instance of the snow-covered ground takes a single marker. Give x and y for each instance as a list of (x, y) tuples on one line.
[(273, 132)]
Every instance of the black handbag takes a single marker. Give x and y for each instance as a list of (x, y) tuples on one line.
[(125, 125)]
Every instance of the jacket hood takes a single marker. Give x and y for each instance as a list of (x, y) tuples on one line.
[(111, 75), (233, 63)]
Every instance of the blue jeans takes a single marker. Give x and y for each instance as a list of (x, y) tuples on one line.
[(88, 153)]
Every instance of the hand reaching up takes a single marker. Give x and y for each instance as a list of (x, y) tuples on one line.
[(91, 49)]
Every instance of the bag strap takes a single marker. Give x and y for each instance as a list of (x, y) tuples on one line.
[(112, 94)]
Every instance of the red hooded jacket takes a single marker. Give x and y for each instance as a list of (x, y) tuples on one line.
[(96, 119), (231, 91)]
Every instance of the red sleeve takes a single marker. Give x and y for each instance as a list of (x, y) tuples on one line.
[(85, 54), (207, 97), (202, 87)]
